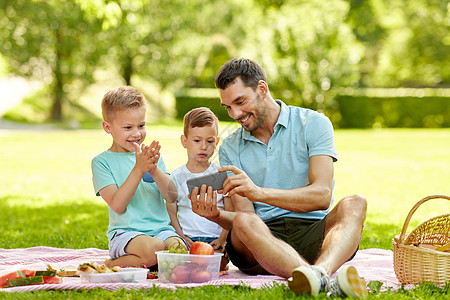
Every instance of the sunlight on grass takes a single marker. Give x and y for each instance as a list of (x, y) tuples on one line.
[(46, 177), (394, 169)]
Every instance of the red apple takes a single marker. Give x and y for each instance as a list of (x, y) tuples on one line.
[(180, 274), (201, 253), (201, 248), (201, 275)]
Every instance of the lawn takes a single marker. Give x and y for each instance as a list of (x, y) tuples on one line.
[(47, 198)]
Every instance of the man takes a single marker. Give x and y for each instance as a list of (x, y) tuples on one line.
[(282, 190)]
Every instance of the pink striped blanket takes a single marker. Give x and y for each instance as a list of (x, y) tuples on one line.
[(372, 264)]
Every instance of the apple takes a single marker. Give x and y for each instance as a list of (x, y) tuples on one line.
[(180, 274), (201, 248), (201, 253), (201, 275)]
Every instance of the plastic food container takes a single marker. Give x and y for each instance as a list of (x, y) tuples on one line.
[(127, 275), (187, 268)]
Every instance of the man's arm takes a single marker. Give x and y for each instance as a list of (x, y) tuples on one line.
[(315, 196)]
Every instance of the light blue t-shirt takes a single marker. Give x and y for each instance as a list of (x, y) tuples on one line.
[(284, 163), (147, 212)]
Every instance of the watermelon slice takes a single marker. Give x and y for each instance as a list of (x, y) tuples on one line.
[(29, 273), (13, 275), (52, 280), (47, 273), (25, 281)]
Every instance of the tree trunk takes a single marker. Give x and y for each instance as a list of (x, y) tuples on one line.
[(58, 92)]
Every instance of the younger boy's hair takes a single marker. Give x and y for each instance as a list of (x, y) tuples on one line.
[(121, 98), (199, 117)]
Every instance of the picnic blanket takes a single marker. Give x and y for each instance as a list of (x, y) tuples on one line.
[(372, 264)]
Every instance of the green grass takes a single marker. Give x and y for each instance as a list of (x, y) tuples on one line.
[(47, 198)]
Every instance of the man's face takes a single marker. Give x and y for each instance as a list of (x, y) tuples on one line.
[(244, 104)]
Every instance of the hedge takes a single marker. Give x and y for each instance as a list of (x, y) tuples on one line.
[(412, 112), (192, 98), (360, 110)]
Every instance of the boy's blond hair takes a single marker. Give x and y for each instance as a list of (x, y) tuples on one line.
[(121, 98), (199, 117)]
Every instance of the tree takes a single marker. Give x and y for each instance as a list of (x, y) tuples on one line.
[(415, 52), (308, 50), (406, 42), (52, 41)]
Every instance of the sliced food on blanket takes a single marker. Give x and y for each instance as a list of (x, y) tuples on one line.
[(28, 277), (25, 281), (68, 271), (34, 280), (96, 268), (13, 275)]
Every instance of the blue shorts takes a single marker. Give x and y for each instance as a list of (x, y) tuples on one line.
[(205, 239), (121, 239)]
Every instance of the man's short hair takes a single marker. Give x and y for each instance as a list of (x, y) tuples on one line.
[(121, 98), (248, 70), (199, 117)]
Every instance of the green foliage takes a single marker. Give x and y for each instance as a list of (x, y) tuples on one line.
[(307, 60), (309, 50), (367, 112), (414, 51), (40, 39), (192, 98)]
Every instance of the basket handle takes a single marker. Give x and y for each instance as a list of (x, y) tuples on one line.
[(413, 210)]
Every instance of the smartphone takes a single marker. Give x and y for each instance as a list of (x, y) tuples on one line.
[(215, 180)]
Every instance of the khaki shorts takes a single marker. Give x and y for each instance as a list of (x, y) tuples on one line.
[(304, 235)]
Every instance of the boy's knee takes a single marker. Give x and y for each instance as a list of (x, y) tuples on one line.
[(174, 242)]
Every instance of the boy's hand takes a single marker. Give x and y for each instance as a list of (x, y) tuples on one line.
[(147, 156), (218, 245)]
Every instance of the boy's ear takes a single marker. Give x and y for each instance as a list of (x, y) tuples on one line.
[(217, 141), (183, 141), (106, 127)]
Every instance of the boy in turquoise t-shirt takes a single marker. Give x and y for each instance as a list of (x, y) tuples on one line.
[(133, 180)]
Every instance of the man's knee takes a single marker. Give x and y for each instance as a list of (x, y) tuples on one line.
[(355, 204), (245, 223), (245, 220)]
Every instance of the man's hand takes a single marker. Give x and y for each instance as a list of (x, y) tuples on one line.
[(240, 184), (204, 204)]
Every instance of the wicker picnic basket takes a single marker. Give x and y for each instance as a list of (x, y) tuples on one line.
[(415, 256)]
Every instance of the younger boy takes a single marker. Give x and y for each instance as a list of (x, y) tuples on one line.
[(200, 138), (132, 178)]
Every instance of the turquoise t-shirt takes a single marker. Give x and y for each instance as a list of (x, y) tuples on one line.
[(284, 163), (147, 212)]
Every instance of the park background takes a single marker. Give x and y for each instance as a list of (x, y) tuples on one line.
[(378, 69)]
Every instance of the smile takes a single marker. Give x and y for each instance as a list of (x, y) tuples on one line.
[(243, 120)]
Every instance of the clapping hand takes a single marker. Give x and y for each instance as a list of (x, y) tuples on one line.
[(147, 156)]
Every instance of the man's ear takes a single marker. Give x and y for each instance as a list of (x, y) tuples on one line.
[(183, 141), (106, 127), (263, 87)]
